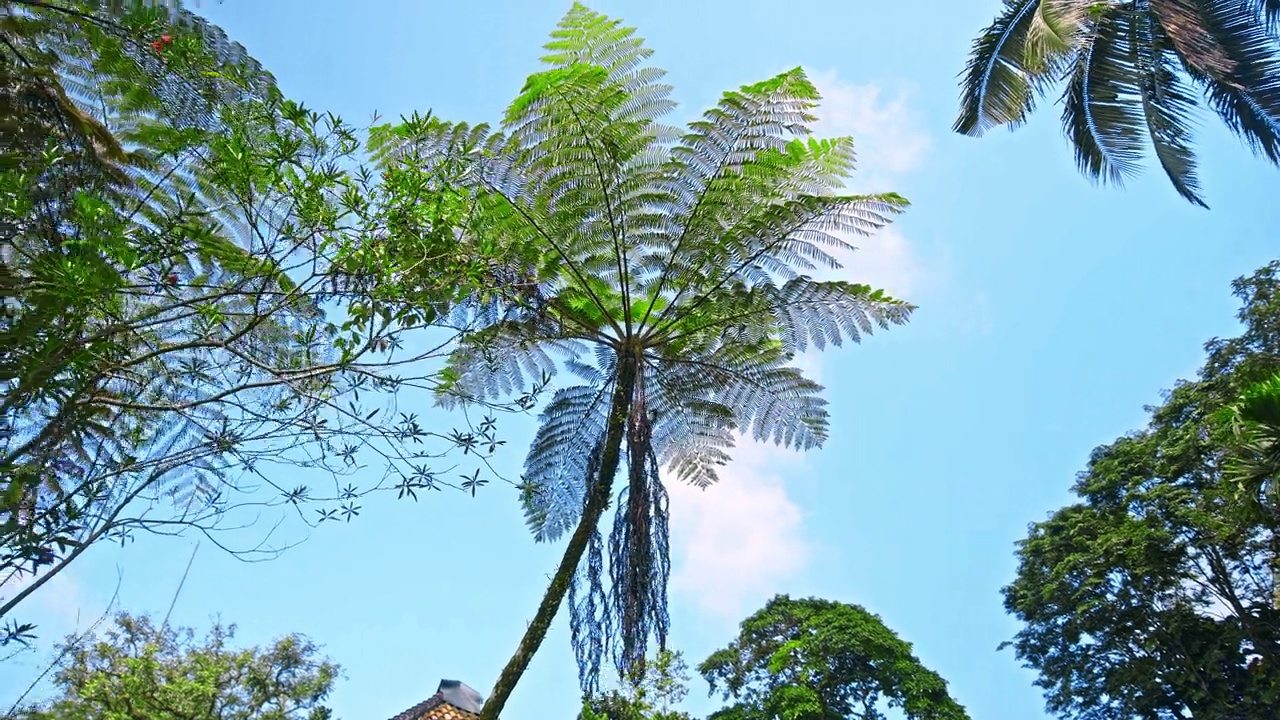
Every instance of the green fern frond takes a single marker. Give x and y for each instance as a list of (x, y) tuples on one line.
[(563, 450), (502, 359)]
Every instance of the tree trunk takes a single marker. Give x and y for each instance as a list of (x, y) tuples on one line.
[(597, 501), (1274, 496)]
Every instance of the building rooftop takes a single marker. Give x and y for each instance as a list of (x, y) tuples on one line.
[(452, 701)]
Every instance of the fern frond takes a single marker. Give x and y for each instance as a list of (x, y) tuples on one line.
[(691, 433), (558, 465), (502, 359)]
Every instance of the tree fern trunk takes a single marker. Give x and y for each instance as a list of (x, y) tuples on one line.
[(597, 501)]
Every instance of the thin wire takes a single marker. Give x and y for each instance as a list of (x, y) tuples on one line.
[(178, 592)]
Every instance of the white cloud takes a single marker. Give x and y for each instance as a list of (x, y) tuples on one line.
[(739, 539), (885, 132), (885, 260), (810, 363), (890, 144)]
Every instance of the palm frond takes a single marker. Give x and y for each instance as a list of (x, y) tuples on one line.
[(1187, 24), (1244, 89), (1012, 61), (1268, 10), (1101, 112), (1168, 106), (1255, 463), (1125, 63)]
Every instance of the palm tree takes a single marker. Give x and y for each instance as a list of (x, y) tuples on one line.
[(666, 276), (1131, 69)]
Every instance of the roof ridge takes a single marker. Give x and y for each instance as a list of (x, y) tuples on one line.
[(417, 711), (440, 707)]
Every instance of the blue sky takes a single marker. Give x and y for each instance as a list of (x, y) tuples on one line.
[(1050, 312)]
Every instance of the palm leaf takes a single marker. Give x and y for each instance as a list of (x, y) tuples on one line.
[(1255, 463), (1012, 60), (1187, 25), (1102, 112), (1168, 106), (1246, 92), (1127, 62)]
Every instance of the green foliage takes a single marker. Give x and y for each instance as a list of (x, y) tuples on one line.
[(201, 285), (1254, 462), (667, 276), (650, 693), (1152, 596), (1132, 72), (137, 671), (817, 659)]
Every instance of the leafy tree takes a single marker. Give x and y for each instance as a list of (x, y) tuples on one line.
[(1152, 597), (655, 687), (201, 283), (1132, 71), (818, 659), (138, 671), (669, 282)]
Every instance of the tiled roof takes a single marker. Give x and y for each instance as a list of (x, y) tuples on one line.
[(453, 701), (435, 708)]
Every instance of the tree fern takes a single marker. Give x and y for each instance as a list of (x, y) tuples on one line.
[(669, 279)]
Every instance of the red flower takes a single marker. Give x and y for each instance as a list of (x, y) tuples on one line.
[(172, 279), (164, 42), (157, 45)]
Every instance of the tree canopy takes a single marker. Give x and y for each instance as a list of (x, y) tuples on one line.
[(814, 659), (653, 690), (1152, 596), (138, 671), (202, 286)]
